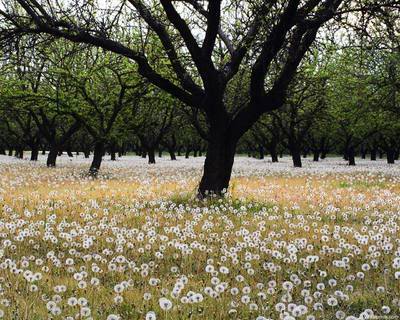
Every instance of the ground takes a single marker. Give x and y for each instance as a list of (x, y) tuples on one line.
[(321, 242)]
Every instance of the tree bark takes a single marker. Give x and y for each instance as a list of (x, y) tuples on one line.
[(316, 156), (20, 154), (160, 153), (217, 166), (171, 152), (390, 154), (373, 154), (351, 156), (296, 157), (261, 152), (10, 152), (113, 152), (34, 153), (86, 152), (52, 156), (152, 155), (187, 153), (97, 157)]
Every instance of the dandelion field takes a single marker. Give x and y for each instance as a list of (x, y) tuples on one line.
[(322, 242)]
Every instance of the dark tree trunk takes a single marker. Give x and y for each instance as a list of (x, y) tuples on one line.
[(144, 154), (380, 154), (171, 152), (217, 166), (296, 157), (113, 155), (351, 156), (86, 152), (152, 156), (179, 151), (396, 154), (316, 155), (43, 152), (274, 157), (2, 151), (160, 153), (34, 153), (363, 153), (195, 153), (261, 152), (281, 154), (69, 152), (112, 152), (390, 154), (373, 154), (10, 152), (20, 153), (120, 153), (77, 153), (52, 156), (323, 154), (187, 153), (60, 153), (200, 152), (305, 154), (97, 157)]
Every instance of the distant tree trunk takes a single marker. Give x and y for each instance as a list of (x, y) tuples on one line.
[(86, 152), (390, 154), (363, 152), (396, 154), (296, 157), (179, 151), (10, 152), (20, 153), (152, 156), (187, 153), (351, 156), (305, 153), (113, 152), (69, 152), (323, 154), (296, 153), (200, 152), (373, 154), (97, 157), (281, 154), (52, 156), (172, 153), (160, 153), (144, 154), (380, 154), (195, 153), (261, 152), (43, 152), (316, 155), (2, 151), (34, 152), (60, 153)]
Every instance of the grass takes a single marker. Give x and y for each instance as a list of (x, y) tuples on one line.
[(264, 230)]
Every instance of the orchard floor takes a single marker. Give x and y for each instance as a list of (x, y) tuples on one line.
[(320, 242)]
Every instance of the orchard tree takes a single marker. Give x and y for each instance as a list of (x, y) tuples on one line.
[(206, 44)]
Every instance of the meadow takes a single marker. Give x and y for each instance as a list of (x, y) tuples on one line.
[(320, 242)]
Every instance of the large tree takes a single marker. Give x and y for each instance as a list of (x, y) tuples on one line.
[(206, 44)]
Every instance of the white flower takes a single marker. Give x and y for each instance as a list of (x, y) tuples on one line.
[(165, 304)]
